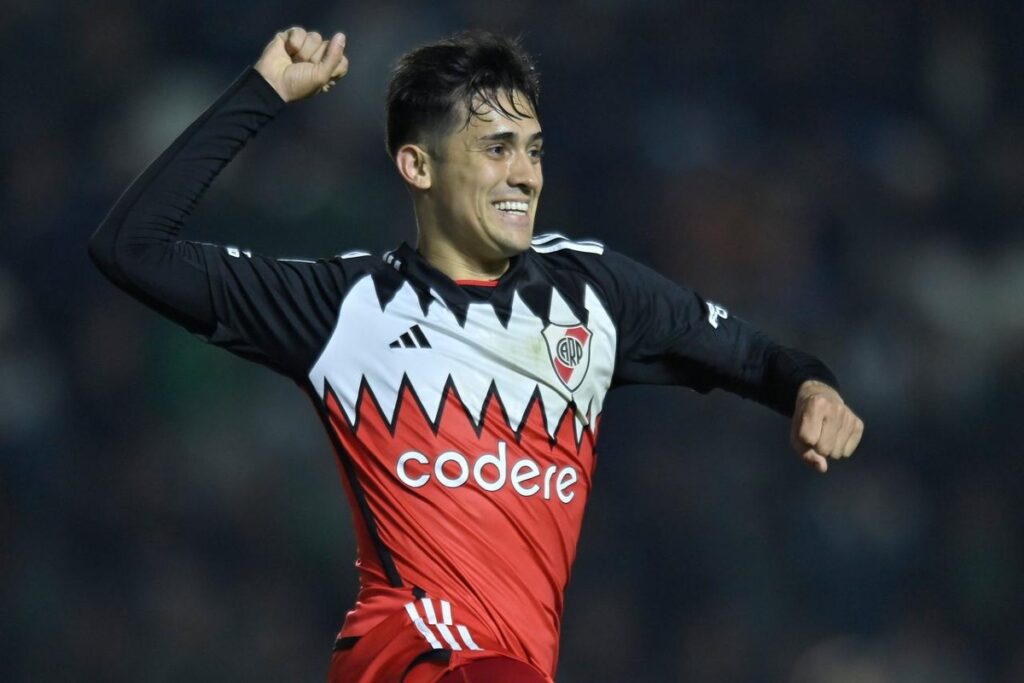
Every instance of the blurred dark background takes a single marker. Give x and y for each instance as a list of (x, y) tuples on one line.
[(847, 175)]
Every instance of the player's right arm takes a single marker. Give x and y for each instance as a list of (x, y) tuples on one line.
[(272, 311)]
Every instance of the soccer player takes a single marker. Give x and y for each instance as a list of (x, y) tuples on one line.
[(461, 381)]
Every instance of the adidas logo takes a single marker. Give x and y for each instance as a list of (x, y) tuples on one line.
[(413, 339)]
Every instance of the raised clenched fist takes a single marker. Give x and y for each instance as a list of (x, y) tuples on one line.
[(298, 63), (824, 426)]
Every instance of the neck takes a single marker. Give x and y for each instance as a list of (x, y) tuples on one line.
[(457, 264), (447, 253)]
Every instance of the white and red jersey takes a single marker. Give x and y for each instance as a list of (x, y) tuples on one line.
[(465, 418), (464, 415)]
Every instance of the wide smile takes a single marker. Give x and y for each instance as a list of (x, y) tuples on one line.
[(512, 208)]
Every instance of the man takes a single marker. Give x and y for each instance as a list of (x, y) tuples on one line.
[(461, 382)]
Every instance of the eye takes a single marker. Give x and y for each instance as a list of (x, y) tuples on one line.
[(537, 153), (496, 150)]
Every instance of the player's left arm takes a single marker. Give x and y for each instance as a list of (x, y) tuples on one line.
[(669, 334)]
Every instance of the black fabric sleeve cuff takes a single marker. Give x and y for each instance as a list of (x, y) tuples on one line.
[(251, 79), (788, 369)]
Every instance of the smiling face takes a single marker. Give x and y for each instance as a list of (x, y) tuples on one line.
[(485, 183)]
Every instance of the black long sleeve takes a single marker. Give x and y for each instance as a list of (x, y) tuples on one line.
[(274, 311), (669, 334)]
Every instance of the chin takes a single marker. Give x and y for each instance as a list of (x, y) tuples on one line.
[(505, 242), (516, 244)]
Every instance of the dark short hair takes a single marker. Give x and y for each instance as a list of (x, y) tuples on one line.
[(470, 68)]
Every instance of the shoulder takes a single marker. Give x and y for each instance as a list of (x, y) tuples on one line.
[(574, 264), (357, 262), (556, 247), (555, 242), (555, 250), (359, 259), (623, 280), (585, 255), (343, 269)]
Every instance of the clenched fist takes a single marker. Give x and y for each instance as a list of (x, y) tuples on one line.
[(823, 426), (298, 63)]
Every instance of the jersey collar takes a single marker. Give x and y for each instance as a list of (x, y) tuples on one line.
[(457, 298)]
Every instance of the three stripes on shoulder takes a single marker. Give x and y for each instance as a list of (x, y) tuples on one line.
[(553, 241)]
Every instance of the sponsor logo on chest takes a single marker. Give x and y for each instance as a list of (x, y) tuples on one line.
[(490, 472)]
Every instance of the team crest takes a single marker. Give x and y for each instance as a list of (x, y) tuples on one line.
[(569, 349)]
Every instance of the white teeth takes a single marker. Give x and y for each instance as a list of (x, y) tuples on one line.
[(513, 207)]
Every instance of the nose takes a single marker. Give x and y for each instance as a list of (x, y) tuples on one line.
[(524, 173)]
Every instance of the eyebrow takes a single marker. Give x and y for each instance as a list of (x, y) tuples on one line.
[(509, 136)]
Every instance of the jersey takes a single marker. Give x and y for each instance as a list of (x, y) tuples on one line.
[(464, 416)]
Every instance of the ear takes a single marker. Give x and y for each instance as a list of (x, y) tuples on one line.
[(414, 165)]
